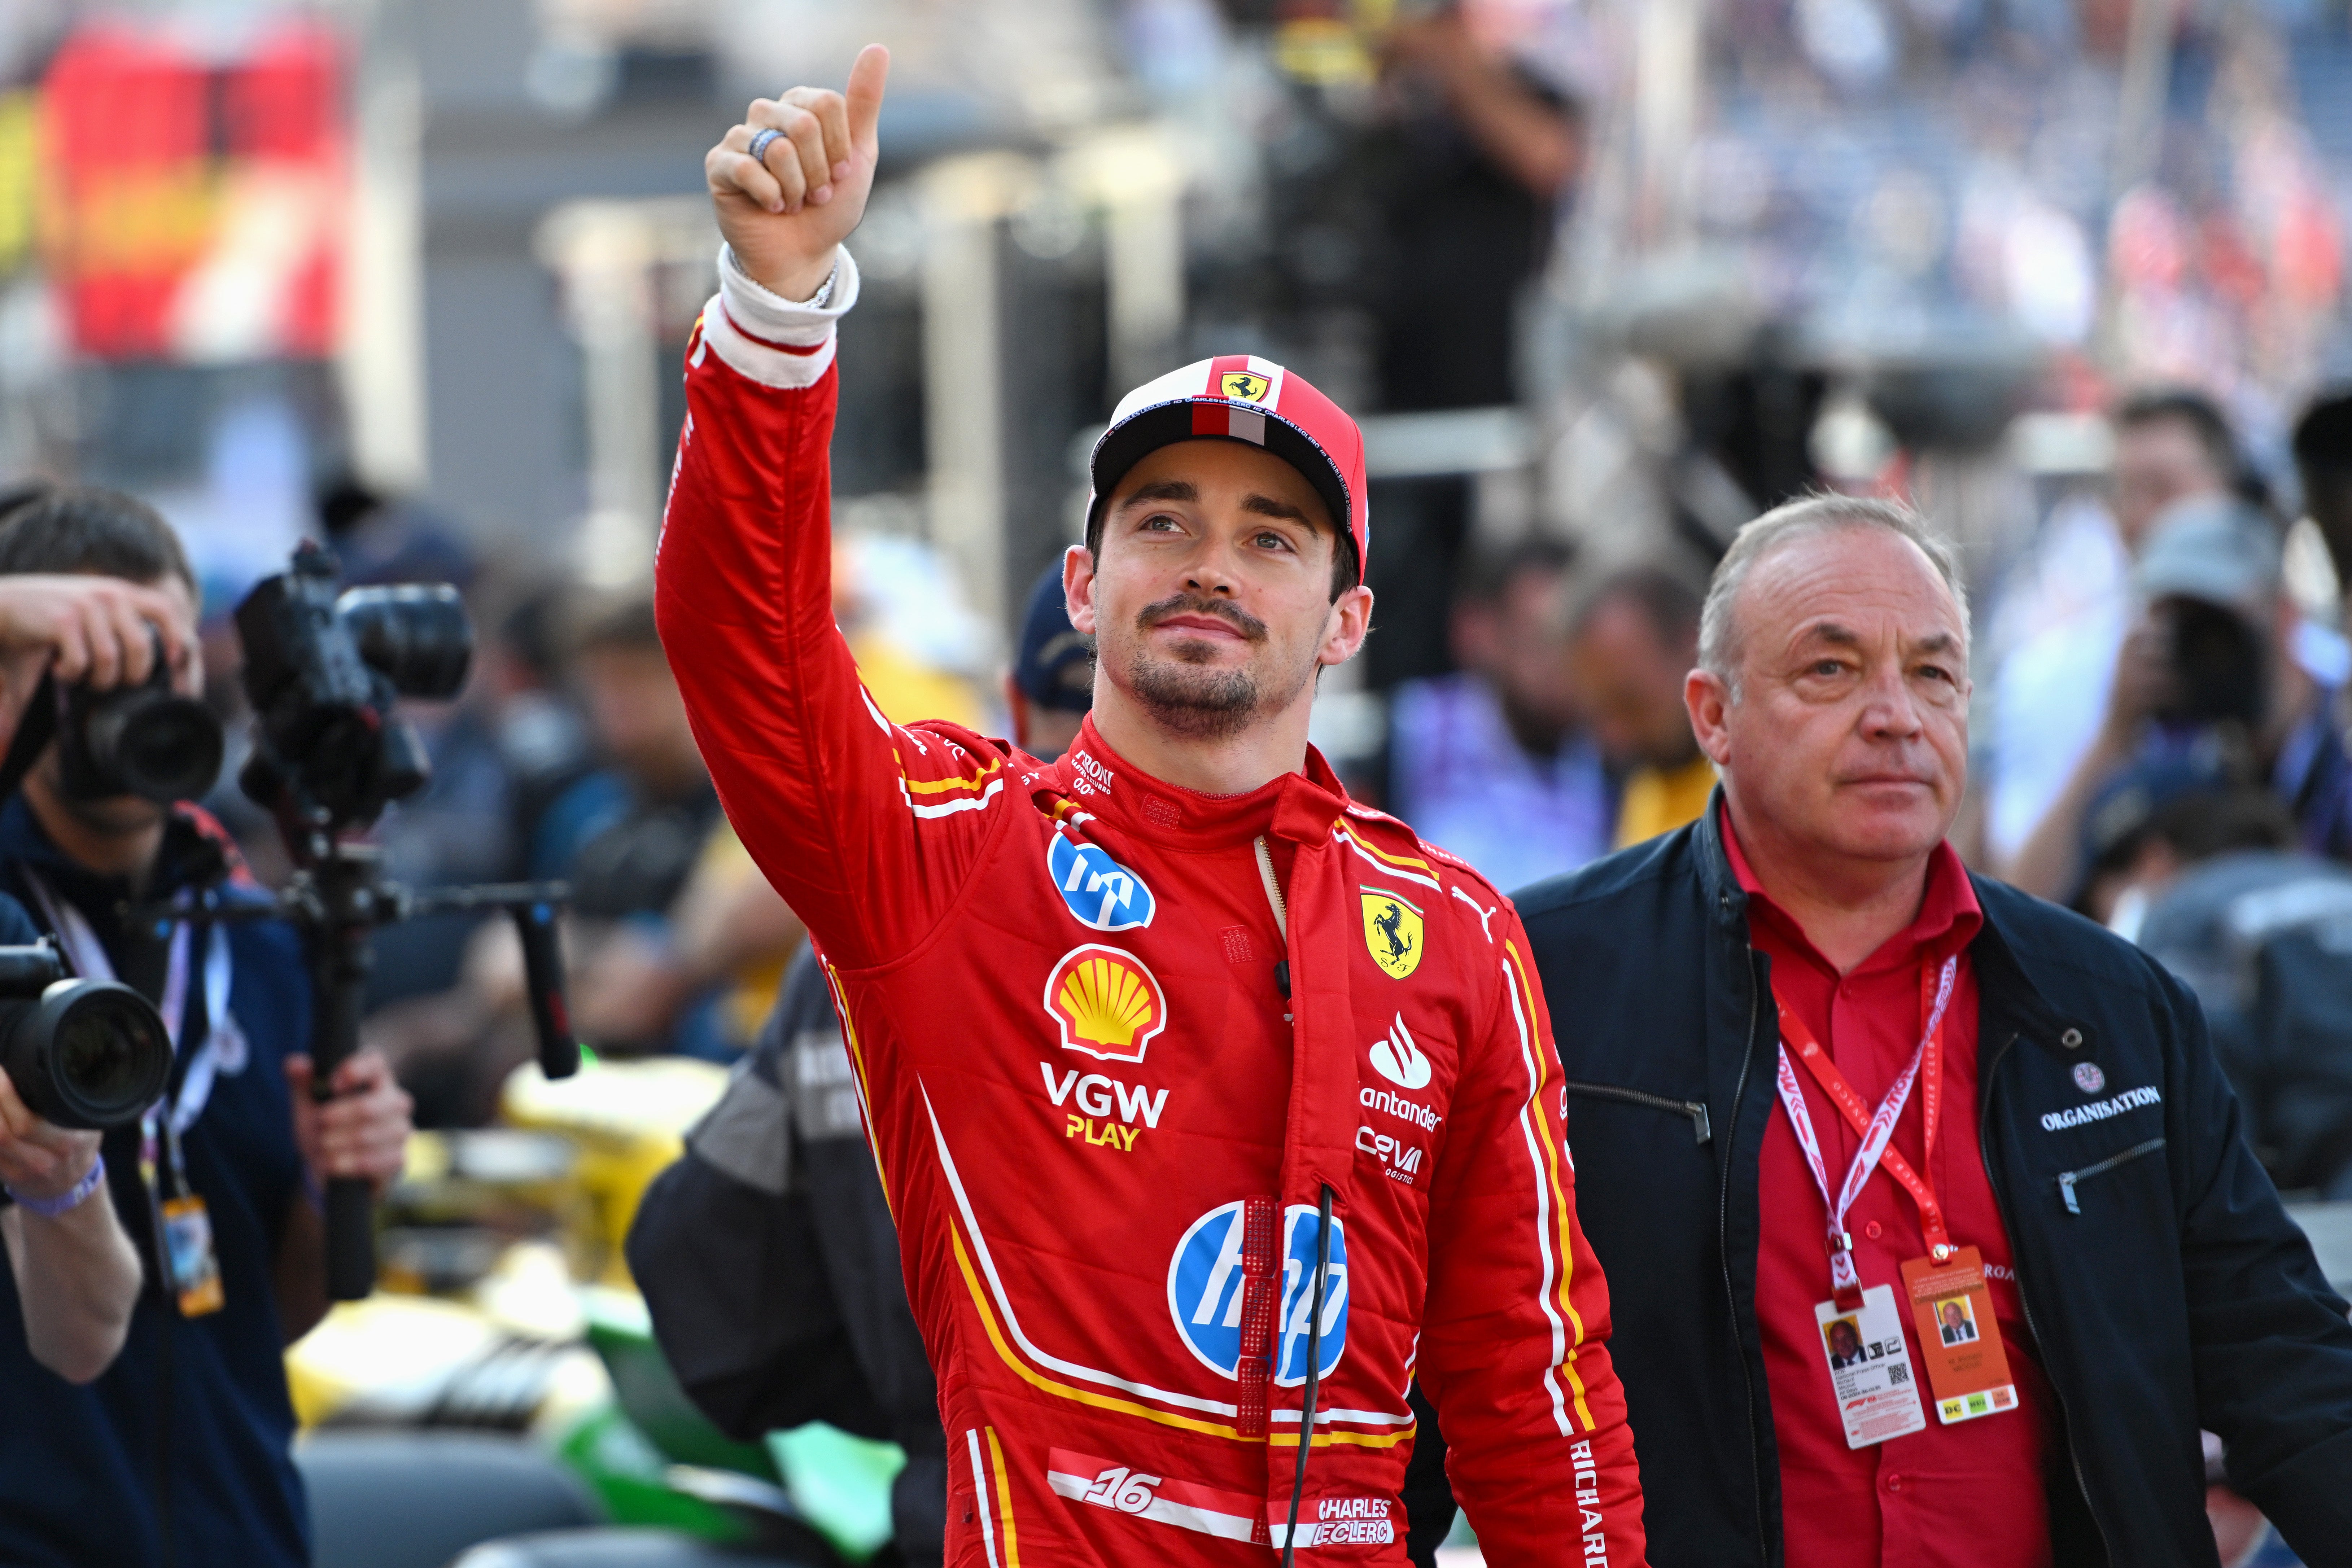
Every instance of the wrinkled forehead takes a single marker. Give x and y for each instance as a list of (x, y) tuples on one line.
[(1851, 583)]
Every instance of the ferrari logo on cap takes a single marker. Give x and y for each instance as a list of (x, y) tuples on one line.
[(1247, 386), (1392, 932)]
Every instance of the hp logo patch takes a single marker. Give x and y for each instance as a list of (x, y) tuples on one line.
[(1204, 1292), (1100, 891)]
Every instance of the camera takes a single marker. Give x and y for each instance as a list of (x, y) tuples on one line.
[(82, 1054), (146, 739), (324, 671), (2220, 669)]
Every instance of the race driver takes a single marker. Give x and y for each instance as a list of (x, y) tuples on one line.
[(1126, 1025)]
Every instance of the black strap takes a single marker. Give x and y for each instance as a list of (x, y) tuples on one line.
[(1314, 1368)]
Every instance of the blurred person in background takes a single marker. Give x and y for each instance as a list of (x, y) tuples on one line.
[(1453, 195), (1495, 762), (73, 1275), (2048, 695), (2216, 660), (1631, 647), (1478, 154), (2205, 875), (674, 942), (180, 1452), (767, 1254)]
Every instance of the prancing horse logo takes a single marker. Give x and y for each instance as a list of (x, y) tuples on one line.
[(1392, 932), (1246, 385)]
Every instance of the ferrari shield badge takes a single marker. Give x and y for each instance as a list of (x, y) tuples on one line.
[(1392, 932), (1246, 386)]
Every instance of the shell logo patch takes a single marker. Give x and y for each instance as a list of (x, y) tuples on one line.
[(1243, 386), (1105, 1002), (1392, 932)]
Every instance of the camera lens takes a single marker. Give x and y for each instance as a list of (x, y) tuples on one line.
[(417, 634), (164, 748), (96, 1053), (88, 1053)]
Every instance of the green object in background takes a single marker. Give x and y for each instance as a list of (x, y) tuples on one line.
[(620, 1332), (840, 1483), (628, 1475)]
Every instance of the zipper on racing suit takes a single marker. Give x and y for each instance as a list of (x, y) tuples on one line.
[(2024, 1281)]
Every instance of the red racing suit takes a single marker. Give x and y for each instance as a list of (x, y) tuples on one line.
[(1101, 1123)]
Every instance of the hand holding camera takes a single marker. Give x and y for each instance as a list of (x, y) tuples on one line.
[(40, 1162)]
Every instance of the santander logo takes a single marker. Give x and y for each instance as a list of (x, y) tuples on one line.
[(1398, 1060)]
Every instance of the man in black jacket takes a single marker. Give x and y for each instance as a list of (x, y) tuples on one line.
[(2084, 1188)]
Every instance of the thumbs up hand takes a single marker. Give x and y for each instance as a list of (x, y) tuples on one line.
[(785, 211)]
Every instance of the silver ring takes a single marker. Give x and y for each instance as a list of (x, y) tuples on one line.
[(760, 141)]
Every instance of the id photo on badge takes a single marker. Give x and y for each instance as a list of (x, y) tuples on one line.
[(1843, 1337), (1955, 1319)]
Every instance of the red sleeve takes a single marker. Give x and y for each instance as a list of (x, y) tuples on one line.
[(1515, 1341), (865, 826)]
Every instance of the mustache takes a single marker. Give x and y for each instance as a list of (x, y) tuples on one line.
[(1241, 620)]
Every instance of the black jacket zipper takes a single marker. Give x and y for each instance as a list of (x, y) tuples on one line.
[(2025, 1295), (1723, 1250), (1695, 1109), (2067, 1179)]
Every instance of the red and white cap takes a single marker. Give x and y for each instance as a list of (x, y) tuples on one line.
[(1240, 397)]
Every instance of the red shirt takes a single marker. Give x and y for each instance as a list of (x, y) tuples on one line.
[(1968, 1494)]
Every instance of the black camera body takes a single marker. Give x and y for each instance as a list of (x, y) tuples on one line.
[(324, 671), (91, 1054), (2220, 666), (146, 740)]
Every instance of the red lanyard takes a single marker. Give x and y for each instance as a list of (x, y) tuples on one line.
[(1875, 1127)]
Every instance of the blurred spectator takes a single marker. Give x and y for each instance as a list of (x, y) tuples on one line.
[(674, 941), (2212, 886), (1476, 159), (2048, 695), (509, 744), (2156, 817), (2323, 459), (1492, 763), (2219, 659), (1051, 684), (1462, 179), (1631, 646)]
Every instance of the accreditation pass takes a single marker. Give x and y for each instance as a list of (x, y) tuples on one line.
[(1870, 1368)]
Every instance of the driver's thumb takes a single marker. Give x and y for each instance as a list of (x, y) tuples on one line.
[(864, 94)]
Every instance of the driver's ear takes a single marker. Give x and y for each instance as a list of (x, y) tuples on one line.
[(1078, 588)]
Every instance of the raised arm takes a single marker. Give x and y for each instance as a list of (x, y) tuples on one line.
[(865, 826), (1515, 1344)]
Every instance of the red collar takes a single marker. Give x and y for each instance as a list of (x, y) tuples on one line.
[(1298, 806), (1948, 918)]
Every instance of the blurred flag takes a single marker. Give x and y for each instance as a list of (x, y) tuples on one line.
[(193, 209)]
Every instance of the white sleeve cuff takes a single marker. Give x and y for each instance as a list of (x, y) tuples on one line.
[(769, 339)]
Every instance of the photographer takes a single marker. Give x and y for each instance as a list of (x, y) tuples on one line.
[(2211, 662), (180, 1452), (74, 1271)]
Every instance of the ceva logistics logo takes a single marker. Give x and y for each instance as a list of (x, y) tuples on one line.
[(1100, 891), (1106, 1003), (1204, 1292)]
